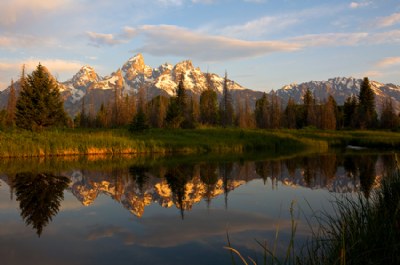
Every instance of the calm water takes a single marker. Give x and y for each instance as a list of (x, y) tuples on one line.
[(174, 211)]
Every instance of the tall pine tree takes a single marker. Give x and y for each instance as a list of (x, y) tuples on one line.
[(226, 105), (367, 116), (39, 104), (11, 106)]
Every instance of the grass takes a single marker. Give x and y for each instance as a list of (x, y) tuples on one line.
[(361, 231), (67, 142)]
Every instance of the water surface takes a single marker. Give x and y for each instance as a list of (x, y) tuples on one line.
[(168, 211)]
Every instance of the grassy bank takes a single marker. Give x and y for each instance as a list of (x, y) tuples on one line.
[(119, 141), (216, 140)]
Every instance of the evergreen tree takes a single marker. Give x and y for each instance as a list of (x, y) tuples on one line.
[(226, 105), (39, 104), (350, 112), (177, 109), (140, 121), (209, 105), (11, 106), (329, 110), (290, 114), (367, 116), (174, 116), (310, 118), (102, 120), (157, 109), (261, 112), (389, 119), (275, 111)]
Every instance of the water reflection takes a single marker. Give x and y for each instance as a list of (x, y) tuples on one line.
[(184, 185), (39, 197)]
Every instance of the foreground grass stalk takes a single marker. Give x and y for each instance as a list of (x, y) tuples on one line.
[(361, 231)]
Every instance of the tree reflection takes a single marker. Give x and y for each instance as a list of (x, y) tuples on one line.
[(39, 197), (138, 173), (225, 171), (177, 180), (364, 168), (208, 175)]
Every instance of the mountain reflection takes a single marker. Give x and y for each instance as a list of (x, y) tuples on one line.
[(182, 186), (39, 197)]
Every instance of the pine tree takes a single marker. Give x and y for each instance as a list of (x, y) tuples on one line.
[(11, 106), (367, 116), (209, 105), (350, 112), (310, 118), (177, 108), (328, 121), (290, 114), (389, 119), (261, 112), (226, 105), (39, 104), (275, 111)]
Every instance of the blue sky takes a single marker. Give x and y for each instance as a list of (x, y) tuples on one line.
[(262, 44)]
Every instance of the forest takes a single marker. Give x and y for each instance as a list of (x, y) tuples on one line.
[(39, 105)]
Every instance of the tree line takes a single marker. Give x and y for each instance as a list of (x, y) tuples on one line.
[(39, 105)]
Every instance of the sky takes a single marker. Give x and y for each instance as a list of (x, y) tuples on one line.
[(262, 44)]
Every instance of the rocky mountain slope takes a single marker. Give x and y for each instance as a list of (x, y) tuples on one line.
[(340, 88), (88, 87)]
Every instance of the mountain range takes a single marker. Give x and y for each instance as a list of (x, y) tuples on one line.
[(86, 85)]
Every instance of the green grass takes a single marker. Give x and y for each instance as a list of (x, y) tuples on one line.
[(67, 142), (119, 141)]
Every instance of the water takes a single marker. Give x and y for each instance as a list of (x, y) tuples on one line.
[(168, 211)]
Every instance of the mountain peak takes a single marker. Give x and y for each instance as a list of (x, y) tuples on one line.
[(85, 75), (134, 64)]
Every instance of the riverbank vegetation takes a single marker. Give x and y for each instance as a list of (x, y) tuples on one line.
[(364, 230), (34, 123)]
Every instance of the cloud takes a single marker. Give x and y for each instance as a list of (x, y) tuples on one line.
[(256, 1), (270, 24), (156, 232), (165, 40), (355, 5), (11, 11), (170, 2), (54, 65), (388, 62), (11, 69), (22, 41), (100, 39), (388, 21), (260, 26), (330, 39)]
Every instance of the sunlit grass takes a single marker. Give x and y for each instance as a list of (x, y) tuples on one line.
[(119, 141)]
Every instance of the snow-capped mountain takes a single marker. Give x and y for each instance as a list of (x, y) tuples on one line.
[(88, 87), (340, 88)]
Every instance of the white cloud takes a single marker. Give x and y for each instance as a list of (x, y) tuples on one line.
[(388, 62), (330, 39), (100, 39), (260, 26), (11, 68), (171, 2), (355, 5), (11, 11), (172, 40), (22, 41), (164, 40), (388, 21)]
